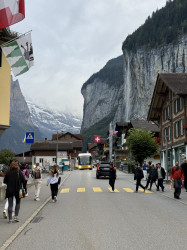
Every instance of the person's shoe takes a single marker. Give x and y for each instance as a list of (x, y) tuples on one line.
[(163, 190), (5, 214), (136, 191), (55, 198), (16, 219), (10, 222), (37, 199), (186, 190), (149, 189), (157, 189), (112, 191), (26, 195)]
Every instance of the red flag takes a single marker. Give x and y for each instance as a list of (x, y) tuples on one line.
[(11, 12), (97, 139)]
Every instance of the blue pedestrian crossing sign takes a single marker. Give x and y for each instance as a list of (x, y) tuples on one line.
[(29, 137)]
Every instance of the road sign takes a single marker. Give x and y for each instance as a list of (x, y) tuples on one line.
[(29, 137)]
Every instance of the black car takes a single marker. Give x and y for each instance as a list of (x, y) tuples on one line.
[(103, 169)]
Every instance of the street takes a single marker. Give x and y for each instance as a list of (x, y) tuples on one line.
[(87, 216)]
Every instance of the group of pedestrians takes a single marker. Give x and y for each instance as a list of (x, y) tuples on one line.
[(15, 179)]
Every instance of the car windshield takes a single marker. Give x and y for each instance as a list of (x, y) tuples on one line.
[(105, 165)]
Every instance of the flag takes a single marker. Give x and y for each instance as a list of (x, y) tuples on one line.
[(97, 139), (11, 12), (19, 54), (24, 139)]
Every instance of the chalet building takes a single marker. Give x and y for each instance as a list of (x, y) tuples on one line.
[(97, 149), (67, 145), (5, 81), (169, 108), (147, 126)]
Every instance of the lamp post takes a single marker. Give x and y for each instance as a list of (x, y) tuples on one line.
[(110, 142), (57, 149)]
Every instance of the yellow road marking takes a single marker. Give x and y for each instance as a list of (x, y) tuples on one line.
[(115, 190), (128, 190), (97, 189), (64, 190), (80, 190), (146, 191)]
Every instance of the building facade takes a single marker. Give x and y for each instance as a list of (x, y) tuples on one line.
[(169, 108)]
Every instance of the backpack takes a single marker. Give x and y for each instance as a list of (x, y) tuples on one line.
[(37, 174)]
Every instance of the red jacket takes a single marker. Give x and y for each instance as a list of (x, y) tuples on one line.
[(176, 174)]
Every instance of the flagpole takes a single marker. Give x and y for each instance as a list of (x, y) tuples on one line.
[(2, 45)]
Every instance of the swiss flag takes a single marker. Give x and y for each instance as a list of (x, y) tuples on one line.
[(11, 12), (97, 139)]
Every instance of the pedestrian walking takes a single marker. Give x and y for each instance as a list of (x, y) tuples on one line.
[(138, 176), (62, 167), (152, 177), (184, 168), (161, 174), (53, 181), (13, 179), (145, 167), (176, 176), (37, 179), (112, 176), (26, 175)]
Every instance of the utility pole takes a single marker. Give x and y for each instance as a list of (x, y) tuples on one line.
[(57, 149), (110, 141), (166, 157)]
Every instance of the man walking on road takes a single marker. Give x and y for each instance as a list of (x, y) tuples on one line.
[(138, 175), (112, 176), (176, 176), (184, 168), (161, 176), (152, 177)]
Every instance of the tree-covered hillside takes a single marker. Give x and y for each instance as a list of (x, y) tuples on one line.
[(163, 27)]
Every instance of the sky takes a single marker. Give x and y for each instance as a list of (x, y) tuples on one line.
[(73, 39)]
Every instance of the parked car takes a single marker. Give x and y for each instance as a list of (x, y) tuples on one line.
[(103, 169)]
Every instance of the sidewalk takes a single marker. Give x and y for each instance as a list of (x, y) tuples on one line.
[(168, 193), (28, 207)]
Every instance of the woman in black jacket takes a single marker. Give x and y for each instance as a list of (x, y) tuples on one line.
[(13, 179), (138, 175), (112, 176)]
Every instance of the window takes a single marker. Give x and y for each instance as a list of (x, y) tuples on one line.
[(54, 159), (178, 105), (166, 113), (41, 160), (178, 128), (167, 134)]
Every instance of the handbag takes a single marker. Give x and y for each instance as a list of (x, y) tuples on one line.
[(21, 190), (172, 185), (59, 180)]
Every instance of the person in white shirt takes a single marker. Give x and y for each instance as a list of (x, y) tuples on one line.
[(53, 181), (37, 179)]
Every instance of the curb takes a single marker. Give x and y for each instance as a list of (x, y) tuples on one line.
[(23, 226)]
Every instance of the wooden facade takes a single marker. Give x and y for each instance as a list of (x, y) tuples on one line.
[(169, 109)]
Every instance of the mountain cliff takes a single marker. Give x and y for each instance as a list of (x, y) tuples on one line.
[(160, 45), (20, 122), (49, 121)]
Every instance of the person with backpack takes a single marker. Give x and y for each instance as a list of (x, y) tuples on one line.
[(25, 172), (53, 181), (112, 176), (152, 177), (37, 179), (138, 175)]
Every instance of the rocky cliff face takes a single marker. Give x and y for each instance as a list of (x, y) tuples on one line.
[(133, 95), (103, 93), (140, 74), (20, 122)]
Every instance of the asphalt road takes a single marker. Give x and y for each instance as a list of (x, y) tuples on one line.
[(96, 219)]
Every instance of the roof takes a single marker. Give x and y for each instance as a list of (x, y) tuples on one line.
[(78, 136), (176, 82), (92, 145), (145, 125), (51, 145), (122, 124)]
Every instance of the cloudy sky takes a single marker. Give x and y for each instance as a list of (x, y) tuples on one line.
[(72, 40)]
